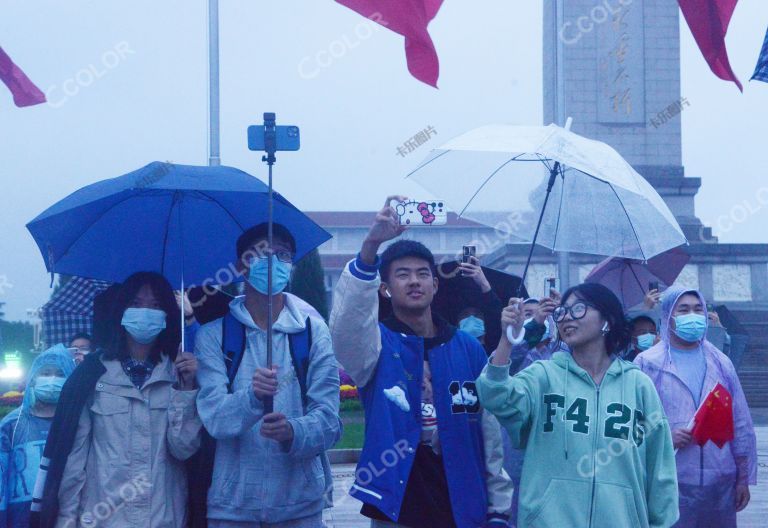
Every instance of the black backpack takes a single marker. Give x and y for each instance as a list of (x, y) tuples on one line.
[(200, 465)]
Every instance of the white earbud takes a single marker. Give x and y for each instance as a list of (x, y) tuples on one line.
[(386, 292), (606, 329)]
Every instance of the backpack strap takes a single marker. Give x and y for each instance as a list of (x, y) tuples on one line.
[(300, 345), (232, 345)]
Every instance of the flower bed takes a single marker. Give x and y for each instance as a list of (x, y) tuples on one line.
[(11, 399)]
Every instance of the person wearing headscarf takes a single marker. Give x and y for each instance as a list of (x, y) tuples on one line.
[(24, 431), (713, 482)]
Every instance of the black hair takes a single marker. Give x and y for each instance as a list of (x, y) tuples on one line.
[(642, 318), (260, 232), (609, 306), (402, 249), (80, 335), (167, 341)]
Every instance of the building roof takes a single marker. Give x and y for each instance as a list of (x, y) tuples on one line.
[(365, 218), (339, 260)]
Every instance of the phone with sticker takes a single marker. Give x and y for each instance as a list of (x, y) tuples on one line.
[(422, 213)]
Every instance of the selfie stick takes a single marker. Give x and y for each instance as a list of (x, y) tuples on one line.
[(270, 147)]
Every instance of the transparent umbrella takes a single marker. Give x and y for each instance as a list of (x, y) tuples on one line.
[(549, 186)]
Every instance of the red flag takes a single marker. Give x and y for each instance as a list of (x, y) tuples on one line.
[(25, 93), (714, 419), (410, 19), (708, 20)]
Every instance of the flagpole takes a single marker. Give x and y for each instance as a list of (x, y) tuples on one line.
[(214, 144), (563, 258)]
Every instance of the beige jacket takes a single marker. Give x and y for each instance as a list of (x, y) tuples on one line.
[(126, 467)]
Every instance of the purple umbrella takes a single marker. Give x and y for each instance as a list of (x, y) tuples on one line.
[(629, 279)]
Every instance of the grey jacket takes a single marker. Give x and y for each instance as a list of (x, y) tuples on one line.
[(254, 478), (126, 466)]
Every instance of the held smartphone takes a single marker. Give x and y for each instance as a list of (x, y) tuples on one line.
[(422, 213), (653, 285), (467, 252), (286, 137), (551, 283)]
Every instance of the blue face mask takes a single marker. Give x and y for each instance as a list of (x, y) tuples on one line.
[(48, 388), (144, 324), (281, 274), (690, 327), (645, 341), (472, 325)]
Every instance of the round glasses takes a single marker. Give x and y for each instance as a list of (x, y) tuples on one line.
[(577, 310), (282, 256)]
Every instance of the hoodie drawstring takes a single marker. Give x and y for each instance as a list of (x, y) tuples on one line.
[(623, 400), (565, 406)]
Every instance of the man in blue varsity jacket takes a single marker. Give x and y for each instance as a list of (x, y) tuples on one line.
[(432, 457)]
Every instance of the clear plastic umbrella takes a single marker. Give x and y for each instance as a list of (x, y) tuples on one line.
[(551, 187)]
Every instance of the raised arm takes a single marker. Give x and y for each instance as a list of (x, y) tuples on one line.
[(354, 316)]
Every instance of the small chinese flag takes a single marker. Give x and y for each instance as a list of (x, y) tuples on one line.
[(714, 419)]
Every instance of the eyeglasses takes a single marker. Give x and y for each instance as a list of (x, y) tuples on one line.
[(79, 350), (577, 310), (282, 256)]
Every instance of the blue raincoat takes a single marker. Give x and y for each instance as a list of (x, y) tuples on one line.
[(22, 440)]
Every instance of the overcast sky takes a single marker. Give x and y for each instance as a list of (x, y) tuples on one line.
[(149, 102)]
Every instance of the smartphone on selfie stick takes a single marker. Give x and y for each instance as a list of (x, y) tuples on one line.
[(271, 138)]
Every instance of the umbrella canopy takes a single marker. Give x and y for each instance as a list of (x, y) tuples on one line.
[(455, 292), (70, 310), (167, 218), (629, 279), (499, 175)]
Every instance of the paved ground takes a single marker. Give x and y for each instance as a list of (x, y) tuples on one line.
[(346, 512)]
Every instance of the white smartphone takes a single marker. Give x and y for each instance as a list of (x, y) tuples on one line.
[(422, 213)]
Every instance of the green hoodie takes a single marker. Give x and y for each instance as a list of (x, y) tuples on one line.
[(594, 456)]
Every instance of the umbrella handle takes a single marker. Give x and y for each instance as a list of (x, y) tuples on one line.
[(515, 340)]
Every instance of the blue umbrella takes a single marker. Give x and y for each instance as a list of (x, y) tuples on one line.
[(181, 221)]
